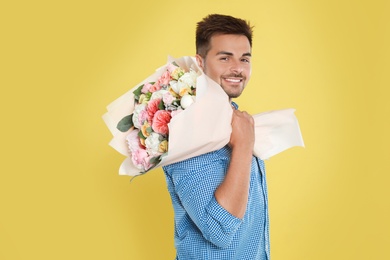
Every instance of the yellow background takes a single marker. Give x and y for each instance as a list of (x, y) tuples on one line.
[(62, 62)]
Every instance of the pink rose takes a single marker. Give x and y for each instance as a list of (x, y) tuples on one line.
[(160, 122), (146, 88), (152, 108), (168, 98)]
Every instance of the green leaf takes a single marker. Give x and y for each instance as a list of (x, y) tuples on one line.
[(125, 124), (161, 105), (155, 160), (138, 92), (176, 102), (140, 135)]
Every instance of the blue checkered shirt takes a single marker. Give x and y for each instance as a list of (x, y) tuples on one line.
[(203, 228)]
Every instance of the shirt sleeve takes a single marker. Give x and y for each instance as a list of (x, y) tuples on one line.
[(195, 181)]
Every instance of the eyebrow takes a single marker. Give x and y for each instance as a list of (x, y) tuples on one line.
[(247, 54)]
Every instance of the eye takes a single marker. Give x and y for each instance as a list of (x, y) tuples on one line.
[(246, 60), (224, 58)]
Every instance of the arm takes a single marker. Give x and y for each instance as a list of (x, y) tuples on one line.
[(232, 194), (192, 184)]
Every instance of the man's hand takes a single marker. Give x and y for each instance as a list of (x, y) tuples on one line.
[(232, 194), (243, 132)]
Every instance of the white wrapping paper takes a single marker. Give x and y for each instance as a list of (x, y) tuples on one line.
[(205, 126)]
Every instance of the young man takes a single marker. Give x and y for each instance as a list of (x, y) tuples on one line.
[(220, 198)]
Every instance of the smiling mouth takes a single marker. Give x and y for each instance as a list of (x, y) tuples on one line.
[(233, 80)]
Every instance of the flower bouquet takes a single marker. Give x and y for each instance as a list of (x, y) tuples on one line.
[(178, 113)]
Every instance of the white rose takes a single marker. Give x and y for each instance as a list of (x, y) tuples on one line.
[(189, 78), (158, 94), (186, 101), (174, 86), (152, 144), (186, 80), (182, 87)]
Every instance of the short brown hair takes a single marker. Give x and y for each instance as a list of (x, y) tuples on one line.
[(215, 24)]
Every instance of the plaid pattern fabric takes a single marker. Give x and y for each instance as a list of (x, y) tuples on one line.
[(203, 228)]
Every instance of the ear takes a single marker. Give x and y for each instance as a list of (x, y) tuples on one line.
[(200, 61)]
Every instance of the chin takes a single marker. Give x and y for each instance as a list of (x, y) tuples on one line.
[(233, 92), (234, 95)]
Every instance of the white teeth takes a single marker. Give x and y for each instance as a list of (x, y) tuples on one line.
[(233, 80)]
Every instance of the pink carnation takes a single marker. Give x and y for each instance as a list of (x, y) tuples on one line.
[(142, 116), (141, 159), (160, 122), (162, 81), (152, 108), (133, 141), (165, 78), (156, 86), (138, 154)]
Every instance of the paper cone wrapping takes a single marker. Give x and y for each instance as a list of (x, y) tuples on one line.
[(276, 131), (204, 126)]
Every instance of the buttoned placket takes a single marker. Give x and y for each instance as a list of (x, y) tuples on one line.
[(266, 228)]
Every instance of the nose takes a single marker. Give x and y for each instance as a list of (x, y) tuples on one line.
[(236, 67)]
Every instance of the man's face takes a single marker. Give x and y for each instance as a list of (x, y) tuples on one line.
[(228, 62)]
